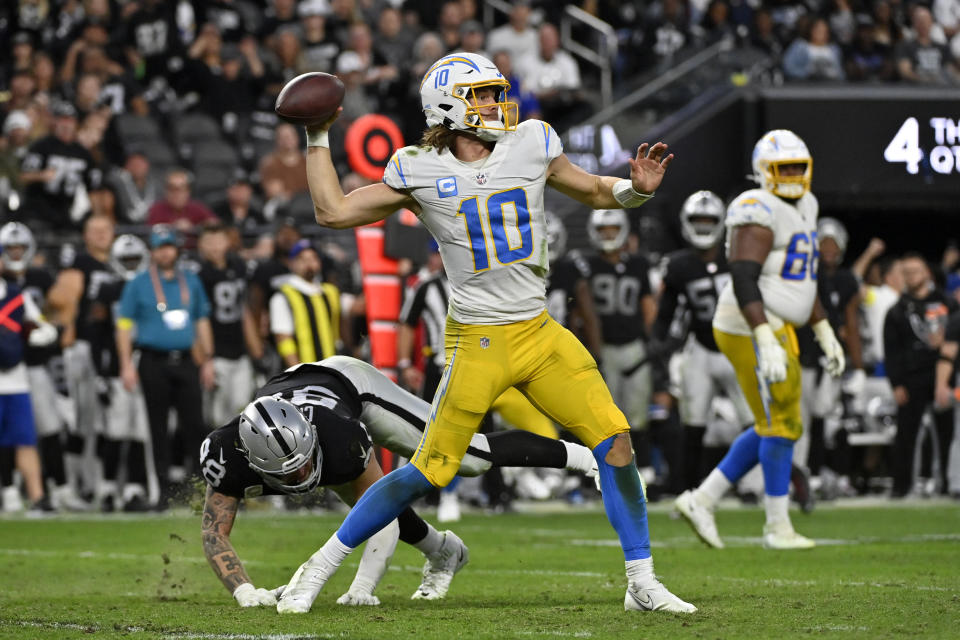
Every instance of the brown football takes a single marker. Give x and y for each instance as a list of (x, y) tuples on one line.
[(309, 99)]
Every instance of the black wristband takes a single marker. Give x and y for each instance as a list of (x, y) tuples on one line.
[(746, 277)]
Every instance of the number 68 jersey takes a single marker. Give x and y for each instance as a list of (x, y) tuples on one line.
[(788, 279), (487, 218)]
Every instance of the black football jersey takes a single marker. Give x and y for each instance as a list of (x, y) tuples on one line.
[(226, 289), (835, 291), (100, 328), (96, 274), (691, 288), (562, 285), (329, 401), (617, 290)]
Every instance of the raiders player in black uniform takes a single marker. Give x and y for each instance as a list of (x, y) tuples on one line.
[(49, 395), (121, 415), (693, 278), (315, 425), (839, 293), (76, 288), (223, 278), (622, 296), (569, 300)]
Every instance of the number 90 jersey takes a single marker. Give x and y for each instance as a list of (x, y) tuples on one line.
[(788, 280), (487, 217)]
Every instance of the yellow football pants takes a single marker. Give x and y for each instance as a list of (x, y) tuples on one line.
[(544, 361), (775, 407), (515, 409)]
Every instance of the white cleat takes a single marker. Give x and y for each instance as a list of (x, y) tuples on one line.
[(449, 508), (12, 502), (654, 597), (305, 586), (440, 568), (782, 536), (358, 599), (700, 518), (65, 498)]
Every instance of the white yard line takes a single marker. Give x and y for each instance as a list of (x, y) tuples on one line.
[(93, 628)]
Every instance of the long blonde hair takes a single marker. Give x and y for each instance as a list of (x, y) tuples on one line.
[(438, 137)]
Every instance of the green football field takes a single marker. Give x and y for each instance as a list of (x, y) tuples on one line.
[(879, 572)]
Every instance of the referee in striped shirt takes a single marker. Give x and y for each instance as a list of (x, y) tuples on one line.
[(426, 301)]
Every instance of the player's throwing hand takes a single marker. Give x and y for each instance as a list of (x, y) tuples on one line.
[(647, 169)]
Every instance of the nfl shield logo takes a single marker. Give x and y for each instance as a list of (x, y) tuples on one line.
[(484, 342), (481, 178)]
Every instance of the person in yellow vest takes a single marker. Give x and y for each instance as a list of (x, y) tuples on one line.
[(305, 312)]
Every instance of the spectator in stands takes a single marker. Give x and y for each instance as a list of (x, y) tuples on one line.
[(239, 210), (887, 31), (763, 37), (812, 56), (865, 59), (913, 334), (554, 78), (947, 15), (716, 23), (21, 54), (320, 48), (472, 37), (232, 85), (526, 100), (921, 60), (393, 42), (22, 88), (13, 148), (177, 208), (517, 36), (448, 26), (152, 38), (232, 18), (666, 31), (286, 162), (170, 310), (379, 74), (52, 172), (842, 21), (343, 13), (357, 101), (280, 14), (134, 187), (305, 317)]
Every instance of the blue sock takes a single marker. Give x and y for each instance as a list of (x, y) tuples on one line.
[(776, 459), (452, 487), (624, 502), (743, 455), (381, 503)]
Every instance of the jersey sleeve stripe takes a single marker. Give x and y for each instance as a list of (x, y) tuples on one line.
[(396, 163), (546, 139)]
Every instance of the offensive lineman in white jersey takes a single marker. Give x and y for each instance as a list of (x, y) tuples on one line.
[(772, 249), (476, 181)]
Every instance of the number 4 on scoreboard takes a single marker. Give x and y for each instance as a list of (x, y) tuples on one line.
[(905, 146)]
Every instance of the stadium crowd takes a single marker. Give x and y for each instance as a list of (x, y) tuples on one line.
[(135, 130)]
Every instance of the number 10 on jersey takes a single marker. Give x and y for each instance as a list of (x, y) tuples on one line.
[(506, 253)]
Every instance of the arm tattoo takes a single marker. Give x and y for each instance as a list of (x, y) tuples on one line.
[(219, 512)]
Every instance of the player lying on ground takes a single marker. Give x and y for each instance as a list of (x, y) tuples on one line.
[(477, 184), (312, 426)]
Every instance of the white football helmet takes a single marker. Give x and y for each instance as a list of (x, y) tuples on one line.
[(556, 237), (17, 234), (447, 93), (608, 218), (833, 228), (774, 150), (129, 256), (279, 442), (706, 231)]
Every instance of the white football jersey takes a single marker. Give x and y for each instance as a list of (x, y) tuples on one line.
[(488, 221), (788, 280)]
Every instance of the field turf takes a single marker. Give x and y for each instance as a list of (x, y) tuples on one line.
[(880, 572)]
